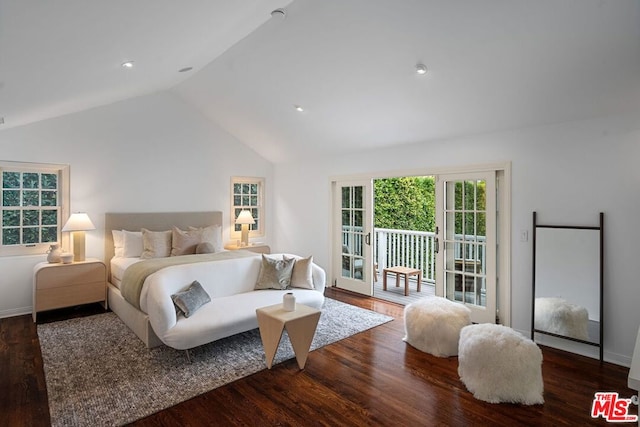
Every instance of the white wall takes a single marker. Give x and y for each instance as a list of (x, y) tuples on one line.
[(152, 153), (568, 173)]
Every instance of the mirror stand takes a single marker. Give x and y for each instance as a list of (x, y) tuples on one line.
[(568, 282)]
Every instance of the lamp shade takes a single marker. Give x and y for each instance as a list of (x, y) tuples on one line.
[(244, 217), (78, 222)]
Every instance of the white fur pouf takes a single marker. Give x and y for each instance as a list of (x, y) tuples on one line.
[(561, 317), (498, 364), (433, 325)]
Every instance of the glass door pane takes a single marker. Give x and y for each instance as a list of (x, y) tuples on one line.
[(466, 206), (355, 258), (352, 233)]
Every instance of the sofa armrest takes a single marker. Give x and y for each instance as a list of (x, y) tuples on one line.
[(319, 278)]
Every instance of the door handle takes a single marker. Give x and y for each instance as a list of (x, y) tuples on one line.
[(367, 239), (437, 242)]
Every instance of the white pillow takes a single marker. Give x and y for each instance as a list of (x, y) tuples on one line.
[(211, 234), (156, 244), (118, 243), (133, 246)]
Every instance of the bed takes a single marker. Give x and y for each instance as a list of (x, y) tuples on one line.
[(229, 285), (134, 318)]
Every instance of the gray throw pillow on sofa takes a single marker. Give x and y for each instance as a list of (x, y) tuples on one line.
[(275, 274), (190, 300)]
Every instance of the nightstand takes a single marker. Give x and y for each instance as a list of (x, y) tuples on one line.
[(259, 248), (65, 285)]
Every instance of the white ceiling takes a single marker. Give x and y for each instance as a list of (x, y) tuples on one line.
[(60, 57), (493, 65)]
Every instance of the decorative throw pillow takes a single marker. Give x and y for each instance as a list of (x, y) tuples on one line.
[(302, 276), (211, 234), (190, 300), (184, 242), (274, 273), (118, 243), (132, 244), (156, 244), (205, 248)]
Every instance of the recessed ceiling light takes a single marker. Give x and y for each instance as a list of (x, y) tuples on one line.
[(298, 108), (279, 13), (185, 69), (421, 69), (128, 64)]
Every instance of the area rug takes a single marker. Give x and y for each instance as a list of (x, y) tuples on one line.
[(99, 373)]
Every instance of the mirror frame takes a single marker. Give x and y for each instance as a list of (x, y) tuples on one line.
[(599, 227)]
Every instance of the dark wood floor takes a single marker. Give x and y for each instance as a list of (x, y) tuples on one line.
[(372, 378)]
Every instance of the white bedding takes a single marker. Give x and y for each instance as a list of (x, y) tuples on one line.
[(118, 266)]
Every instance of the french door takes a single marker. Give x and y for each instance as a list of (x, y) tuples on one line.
[(353, 254), (466, 230)]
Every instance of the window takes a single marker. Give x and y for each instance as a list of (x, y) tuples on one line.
[(247, 194), (34, 204)]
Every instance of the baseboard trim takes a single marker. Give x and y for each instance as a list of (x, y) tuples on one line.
[(15, 312), (578, 348)]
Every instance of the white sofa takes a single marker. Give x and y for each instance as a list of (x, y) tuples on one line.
[(232, 309)]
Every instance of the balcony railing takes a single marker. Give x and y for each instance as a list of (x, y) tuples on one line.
[(414, 249)]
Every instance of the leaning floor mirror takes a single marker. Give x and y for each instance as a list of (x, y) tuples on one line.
[(568, 282)]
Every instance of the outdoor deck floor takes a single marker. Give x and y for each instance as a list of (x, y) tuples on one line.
[(396, 294)]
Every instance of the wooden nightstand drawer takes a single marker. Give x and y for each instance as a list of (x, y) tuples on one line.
[(69, 275), (66, 296), (66, 285)]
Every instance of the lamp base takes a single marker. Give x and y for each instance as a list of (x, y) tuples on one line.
[(244, 235), (78, 246)]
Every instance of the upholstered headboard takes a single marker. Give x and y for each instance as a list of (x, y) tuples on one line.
[(155, 221)]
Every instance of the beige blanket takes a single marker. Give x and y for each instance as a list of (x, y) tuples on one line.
[(135, 275)]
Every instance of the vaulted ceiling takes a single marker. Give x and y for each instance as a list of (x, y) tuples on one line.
[(350, 64), (60, 57)]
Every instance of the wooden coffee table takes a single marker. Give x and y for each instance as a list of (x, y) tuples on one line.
[(408, 272), (300, 324)]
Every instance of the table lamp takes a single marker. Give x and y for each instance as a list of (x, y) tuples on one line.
[(244, 219), (78, 223)]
